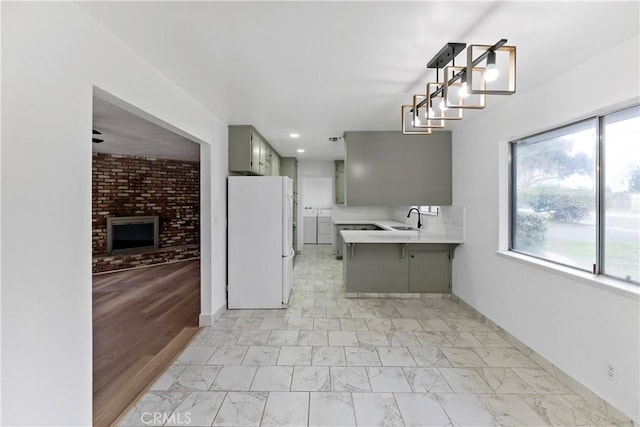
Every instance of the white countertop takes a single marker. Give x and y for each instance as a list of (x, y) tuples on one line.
[(444, 234), (355, 221)]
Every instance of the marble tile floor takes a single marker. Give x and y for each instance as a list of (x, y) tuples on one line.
[(328, 360)]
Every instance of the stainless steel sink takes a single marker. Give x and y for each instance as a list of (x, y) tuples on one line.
[(403, 228)]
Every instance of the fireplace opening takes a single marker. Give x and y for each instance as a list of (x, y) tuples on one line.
[(130, 234)]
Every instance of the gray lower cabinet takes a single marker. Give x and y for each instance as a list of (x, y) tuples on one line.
[(397, 267), (375, 267), (429, 271), (338, 240)]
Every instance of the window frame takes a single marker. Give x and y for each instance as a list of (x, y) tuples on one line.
[(600, 192)]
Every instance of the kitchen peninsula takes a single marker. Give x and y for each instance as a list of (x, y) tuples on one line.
[(393, 258)]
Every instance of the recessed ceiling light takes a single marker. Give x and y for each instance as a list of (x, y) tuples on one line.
[(300, 150), (294, 135)]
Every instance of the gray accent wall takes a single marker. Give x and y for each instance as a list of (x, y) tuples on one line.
[(387, 168)]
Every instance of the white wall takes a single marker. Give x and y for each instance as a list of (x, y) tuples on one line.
[(317, 192), (448, 217), (52, 56), (315, 169), (349, 213), (576, 325)]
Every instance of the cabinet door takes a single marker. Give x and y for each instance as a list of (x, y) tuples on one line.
[(268, 166), (255, 152), (263, 157), (429, 271), (375, 268), (339, 182), (386, 168)]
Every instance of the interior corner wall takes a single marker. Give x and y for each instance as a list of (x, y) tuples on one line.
[(575, 325), (53, 54), (213, 224)]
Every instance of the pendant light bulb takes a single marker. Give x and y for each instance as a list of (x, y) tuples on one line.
[(431, 113), (491, 73), (463, 92), (442, 106)]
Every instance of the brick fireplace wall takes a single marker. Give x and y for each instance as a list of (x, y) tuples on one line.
[(142, 186)]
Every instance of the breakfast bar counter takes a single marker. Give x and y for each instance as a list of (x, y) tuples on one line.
[(408, 261)]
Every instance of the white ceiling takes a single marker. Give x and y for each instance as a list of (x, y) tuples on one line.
[(322, 68), (127, 133)]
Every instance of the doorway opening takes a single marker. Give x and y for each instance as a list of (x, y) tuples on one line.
[(317, 201), (146, 216)]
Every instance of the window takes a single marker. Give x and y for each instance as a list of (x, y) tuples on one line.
[(621, 194), (429, 210), (575, 195)]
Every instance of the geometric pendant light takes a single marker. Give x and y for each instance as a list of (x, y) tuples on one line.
[(489, 70)]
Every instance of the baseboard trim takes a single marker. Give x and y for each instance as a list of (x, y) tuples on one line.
[(581, 390), (100, 273), (208, 319), (403, 295)]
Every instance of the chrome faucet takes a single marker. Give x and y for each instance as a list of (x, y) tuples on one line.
[(417, 210)]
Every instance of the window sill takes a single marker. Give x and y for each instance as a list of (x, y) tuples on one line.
[(618, 286)]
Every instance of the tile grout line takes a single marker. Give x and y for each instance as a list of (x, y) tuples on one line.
[(393, 313), (547, 366)]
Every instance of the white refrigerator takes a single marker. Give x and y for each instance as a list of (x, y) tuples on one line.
[(259, 241)]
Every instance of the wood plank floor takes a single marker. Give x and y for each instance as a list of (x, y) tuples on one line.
[(137, 313)]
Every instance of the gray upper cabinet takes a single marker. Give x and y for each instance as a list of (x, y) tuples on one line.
[(386, 168), (339, 182), (256, 145), (265, 161), (249, 152)]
